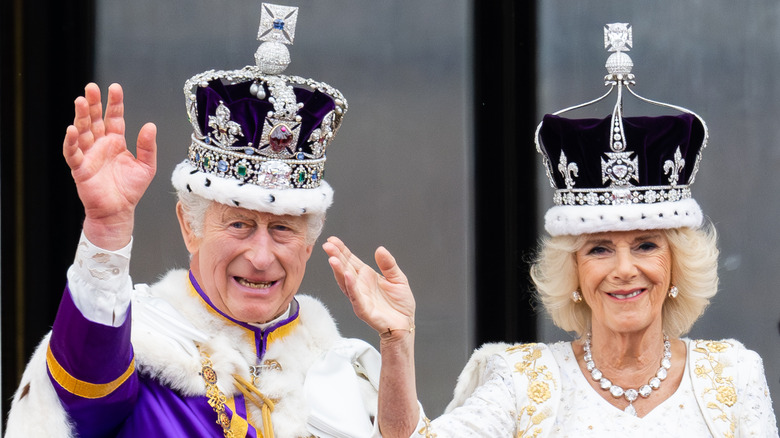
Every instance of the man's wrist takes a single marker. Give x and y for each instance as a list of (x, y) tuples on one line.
[(110, 236), (99, 282)]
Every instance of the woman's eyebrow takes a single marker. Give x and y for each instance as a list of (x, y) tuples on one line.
[(596, 241), (648, 236)]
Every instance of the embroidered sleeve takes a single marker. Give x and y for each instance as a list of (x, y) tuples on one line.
[(756, 417), (489, 411), (537, 384)]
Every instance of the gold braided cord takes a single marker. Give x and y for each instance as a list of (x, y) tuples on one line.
[(254, 395)]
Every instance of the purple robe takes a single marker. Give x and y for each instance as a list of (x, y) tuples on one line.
[(92, 369)]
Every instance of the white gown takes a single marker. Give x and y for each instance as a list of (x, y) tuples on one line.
[(535, 390)]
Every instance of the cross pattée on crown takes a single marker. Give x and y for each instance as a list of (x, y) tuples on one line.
[(618, 37), (277, 23)]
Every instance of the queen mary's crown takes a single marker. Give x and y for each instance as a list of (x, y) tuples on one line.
[(621, 173), (260, 137)]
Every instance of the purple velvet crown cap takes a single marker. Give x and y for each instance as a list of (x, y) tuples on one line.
[(250, 112), (259, 141), (646, 185), (653, 140)]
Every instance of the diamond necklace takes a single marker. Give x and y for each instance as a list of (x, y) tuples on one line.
[(630, 394)]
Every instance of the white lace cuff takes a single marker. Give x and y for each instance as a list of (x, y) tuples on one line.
[(99, 282)]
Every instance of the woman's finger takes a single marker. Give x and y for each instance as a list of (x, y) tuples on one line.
[(388, 266), (338, 272)]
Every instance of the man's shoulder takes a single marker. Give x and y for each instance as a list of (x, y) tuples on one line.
[(312, 306), (317, 320), (173, 284)]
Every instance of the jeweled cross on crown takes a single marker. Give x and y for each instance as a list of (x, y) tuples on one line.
[(277, 23), (618, 37)]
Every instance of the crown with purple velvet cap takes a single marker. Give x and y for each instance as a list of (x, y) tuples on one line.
[(259, 137), (621, 173)]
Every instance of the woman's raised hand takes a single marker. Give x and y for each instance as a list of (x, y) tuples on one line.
[(385, 302), (109, 179)]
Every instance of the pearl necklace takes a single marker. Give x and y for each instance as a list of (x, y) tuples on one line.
[(630, 394)]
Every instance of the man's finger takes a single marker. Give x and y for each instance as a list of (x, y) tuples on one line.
[(146, 146), (70, 148), (92, 95), (115, 110)]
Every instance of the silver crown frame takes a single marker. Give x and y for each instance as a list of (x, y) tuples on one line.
[(271, 165)]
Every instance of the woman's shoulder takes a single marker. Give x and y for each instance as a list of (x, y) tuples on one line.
[(724, 356), (727, 352), (528, 371), (728, 379), (512, 354), (504, 359), (714, 345), (723, 369), (517, 352), (528, 365)]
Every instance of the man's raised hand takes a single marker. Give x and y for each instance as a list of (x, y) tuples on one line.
[(109, 179)]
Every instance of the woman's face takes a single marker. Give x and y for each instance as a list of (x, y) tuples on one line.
[(624, 278)]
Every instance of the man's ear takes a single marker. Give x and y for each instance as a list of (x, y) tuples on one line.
[(191, 241)]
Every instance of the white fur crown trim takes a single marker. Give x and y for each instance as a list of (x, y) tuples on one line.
[(586, 219), (292, 201)]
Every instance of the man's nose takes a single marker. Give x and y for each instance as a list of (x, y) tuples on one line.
[(260, 250)]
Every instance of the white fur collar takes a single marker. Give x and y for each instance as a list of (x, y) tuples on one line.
[(166, 351), (231, 350)]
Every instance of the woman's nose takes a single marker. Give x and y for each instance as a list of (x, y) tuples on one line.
[(625, 265)]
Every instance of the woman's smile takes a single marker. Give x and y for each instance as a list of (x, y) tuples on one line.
[(626, 295)]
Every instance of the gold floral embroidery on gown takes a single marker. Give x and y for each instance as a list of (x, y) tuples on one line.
[(540, 381), (720, 392)]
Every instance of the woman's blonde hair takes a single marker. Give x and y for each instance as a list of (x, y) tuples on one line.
[(694, 272)]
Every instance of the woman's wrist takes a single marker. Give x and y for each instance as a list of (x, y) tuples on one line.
[(390, 332), (393, 334)]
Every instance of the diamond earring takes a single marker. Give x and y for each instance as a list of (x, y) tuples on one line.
[(673, 292), (576, 296)]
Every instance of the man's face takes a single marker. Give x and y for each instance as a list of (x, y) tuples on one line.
[(250, 264)]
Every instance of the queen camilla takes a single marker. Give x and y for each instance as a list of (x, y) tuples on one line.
[(629, 266)]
